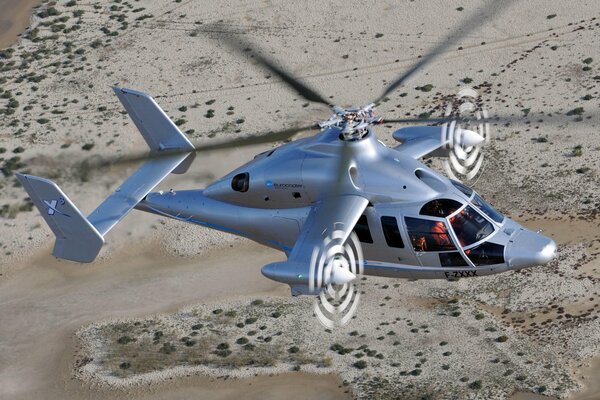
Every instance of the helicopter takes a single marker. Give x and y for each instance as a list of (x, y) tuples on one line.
[(308, 197)]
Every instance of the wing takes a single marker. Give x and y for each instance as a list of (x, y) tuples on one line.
[(419, 141), (332, 218)]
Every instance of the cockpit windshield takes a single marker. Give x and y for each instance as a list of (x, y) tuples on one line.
[(470, 227), (487, 209), (440, 208), (467, 191)]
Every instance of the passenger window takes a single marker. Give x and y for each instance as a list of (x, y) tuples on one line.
[(440, 208), (487, 209), (454, 259), (241, 182), (470, 227), (391, 232), (428, 235), (362, 230), (486, 254)]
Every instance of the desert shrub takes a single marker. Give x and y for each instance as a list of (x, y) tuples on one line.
[(167, 348), (426, 88), (338, 348), (125, 339), (575, 111), (502, 339), (475, 385)]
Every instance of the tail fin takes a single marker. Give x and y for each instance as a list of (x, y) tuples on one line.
[(79, 238), (76, 238)]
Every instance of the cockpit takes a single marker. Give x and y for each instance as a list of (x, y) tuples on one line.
[(457, 229)]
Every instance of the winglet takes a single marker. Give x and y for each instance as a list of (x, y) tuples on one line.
[(155, 126)]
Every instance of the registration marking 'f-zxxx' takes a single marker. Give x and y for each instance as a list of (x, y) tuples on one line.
[(460, 274)]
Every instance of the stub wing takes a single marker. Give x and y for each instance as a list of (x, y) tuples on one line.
[(330, 221), (421, 141)]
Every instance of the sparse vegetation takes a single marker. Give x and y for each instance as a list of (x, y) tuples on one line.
[(426, 88)]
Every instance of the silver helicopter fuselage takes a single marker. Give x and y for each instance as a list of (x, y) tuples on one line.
[(269, 199)]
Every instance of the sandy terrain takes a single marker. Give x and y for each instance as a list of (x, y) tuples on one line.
[(14, 19), (533, 58)]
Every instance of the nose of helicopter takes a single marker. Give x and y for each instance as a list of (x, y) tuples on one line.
[(529, 248)]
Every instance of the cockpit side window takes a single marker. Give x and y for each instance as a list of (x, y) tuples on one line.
[(470, 227), (487, 209), (440, 208), (391, 232), (467, 191), (241, 182), (362, 230), (428, 235), (452, 259)]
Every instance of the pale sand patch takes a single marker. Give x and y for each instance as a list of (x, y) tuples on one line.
[(590, 378), (15, 16), (44, 303)]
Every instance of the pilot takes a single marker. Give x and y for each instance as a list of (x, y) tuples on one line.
[(440, 233), (459, 224), (419, 243)]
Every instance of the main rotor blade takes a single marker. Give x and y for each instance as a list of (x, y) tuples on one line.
[(201, 148), (529, 118), (244, 46), (468, 26)]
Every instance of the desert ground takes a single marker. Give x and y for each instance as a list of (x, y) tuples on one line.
[(531, 334)]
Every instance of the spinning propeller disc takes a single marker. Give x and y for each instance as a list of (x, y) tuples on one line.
[(334, 267)]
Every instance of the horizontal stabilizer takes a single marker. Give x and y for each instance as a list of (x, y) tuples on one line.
[(138, 185), (76, 238)]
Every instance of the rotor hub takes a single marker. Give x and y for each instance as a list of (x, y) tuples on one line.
[(353, 122)]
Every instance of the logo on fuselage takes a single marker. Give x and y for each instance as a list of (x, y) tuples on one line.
[(273, 185)]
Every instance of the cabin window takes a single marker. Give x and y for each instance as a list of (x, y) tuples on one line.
[(486, 254), (241, 182), (470, 227), (467, 191), (440, 208), (391, 232), (428, 235), (362, 230), (453, 259), (487, 209)]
